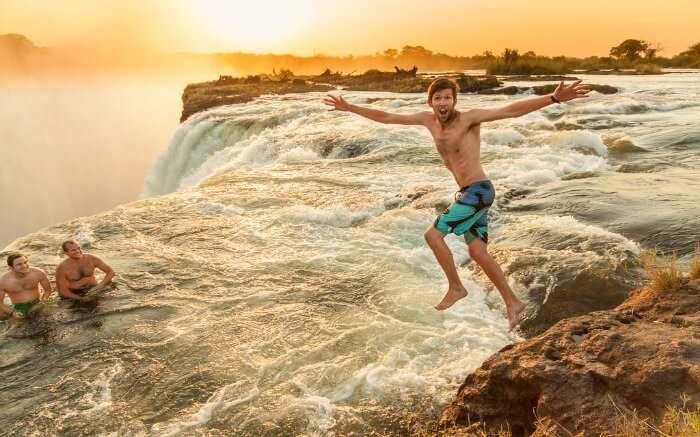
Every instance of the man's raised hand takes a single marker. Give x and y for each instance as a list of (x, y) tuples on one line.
[(338, 103), (565, 93)]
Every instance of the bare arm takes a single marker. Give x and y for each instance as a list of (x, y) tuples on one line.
[(108, 271), (562, 93), (5, 309), (339, 104), (82, 282), (62, 284), (45, 285)]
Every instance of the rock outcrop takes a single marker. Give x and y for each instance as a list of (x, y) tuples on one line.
[(399, 81), (641, 356), (228, 90), (546, 89)]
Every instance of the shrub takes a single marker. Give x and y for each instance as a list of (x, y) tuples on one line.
[(663, 272)]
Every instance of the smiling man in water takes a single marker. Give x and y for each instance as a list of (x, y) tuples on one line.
[(75, 275), (21, 284), (457, 138)]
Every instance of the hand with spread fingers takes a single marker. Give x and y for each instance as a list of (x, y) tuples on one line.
[(564, 93), (338, 103)]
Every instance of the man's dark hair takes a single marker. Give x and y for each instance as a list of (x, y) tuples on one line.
[(13, 256), (442, 83), (67, 242)]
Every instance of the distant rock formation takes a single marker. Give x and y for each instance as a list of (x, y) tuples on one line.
[(13, 43), (17, 51)]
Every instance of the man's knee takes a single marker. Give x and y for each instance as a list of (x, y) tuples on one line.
[(478, 252), (433, 235)]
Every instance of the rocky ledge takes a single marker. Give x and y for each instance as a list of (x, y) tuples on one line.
[(641, 356), (229, 90)]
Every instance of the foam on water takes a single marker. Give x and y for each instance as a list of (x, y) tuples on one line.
[(502, 136), (629, 105), (338, 217), (568, 231), (293, 292), (534, 166), (215, 405), (582, 140), (210, 132)]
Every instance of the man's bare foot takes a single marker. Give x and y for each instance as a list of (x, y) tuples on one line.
[(452, 296), (515, 313)]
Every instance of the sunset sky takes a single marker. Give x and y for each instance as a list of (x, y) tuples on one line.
[(336, 27)]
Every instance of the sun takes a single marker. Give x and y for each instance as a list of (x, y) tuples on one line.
[(254, 25)]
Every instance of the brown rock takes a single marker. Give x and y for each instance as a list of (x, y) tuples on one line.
[(508, 90), (470, 84), (546, 89), (228, 90), (641, 356), (537, 78)]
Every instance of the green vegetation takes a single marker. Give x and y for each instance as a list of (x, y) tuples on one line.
[(512, 62), (634, 55), (631, 54)]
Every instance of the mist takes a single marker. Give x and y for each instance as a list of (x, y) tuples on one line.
[(75, 145)]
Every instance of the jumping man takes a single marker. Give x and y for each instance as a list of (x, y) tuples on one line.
[(458, 141)]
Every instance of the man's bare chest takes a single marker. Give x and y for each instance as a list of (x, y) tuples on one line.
[(455, 140), (17, 285), (79, 271), (464, 145)]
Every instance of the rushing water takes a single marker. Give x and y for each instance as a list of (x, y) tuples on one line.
[(275, 280)]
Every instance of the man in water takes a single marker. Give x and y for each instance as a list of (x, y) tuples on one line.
[(75, 276), (457, 138), (21, 284)]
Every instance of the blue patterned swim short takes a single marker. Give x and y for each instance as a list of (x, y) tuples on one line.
[(468, 216)]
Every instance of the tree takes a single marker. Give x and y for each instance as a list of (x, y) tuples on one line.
[(416, 51), (630, 49), (391, 53), (510, 56), (693, 51)]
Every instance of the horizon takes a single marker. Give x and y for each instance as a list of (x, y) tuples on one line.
[(306, 28)]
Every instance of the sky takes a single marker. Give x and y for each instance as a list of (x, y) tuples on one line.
[(342, 27)]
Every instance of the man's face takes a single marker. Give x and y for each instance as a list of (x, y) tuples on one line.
[(73, 251), (21, 265), (443, 104)]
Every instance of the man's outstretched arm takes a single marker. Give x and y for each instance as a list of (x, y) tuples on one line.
[(562, 93), (339, 104)]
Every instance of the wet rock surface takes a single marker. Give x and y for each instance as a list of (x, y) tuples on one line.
[(640, 356)]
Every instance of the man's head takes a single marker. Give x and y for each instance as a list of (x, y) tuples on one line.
[(442, 97), (72, 249), (18, 262)]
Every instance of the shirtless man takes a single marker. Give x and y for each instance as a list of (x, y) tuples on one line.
[(21, 284), (75, 276), (457, 138)]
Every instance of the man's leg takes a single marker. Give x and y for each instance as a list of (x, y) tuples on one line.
[(455, 290), (478, 252)]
